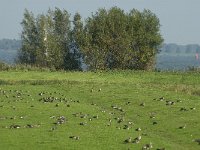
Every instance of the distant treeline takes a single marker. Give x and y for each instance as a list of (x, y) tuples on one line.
[(168, 58), (13, 44), (10, 44), (177, 49)]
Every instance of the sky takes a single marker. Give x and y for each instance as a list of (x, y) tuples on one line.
[(179, 19)]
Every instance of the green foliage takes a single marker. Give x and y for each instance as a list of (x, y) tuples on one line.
[(46, 40), (4, 66), (113, 39), (27, 53), (24, 67), (109, 39), (146, 39), (76, 56)]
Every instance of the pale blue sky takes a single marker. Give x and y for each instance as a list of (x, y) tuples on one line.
[(180, 19)]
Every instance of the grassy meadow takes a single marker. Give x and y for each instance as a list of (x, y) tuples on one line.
[(99, 111)]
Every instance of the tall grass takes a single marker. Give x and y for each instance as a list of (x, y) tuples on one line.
[(23, 67)]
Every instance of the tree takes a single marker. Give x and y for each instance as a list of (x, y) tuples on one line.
[(198, 49), (188, 49), (93, 43), (144, 29), (109, 39), (75, 56), (61, 37), (27, 53), (102, 38), (41, 51), (54, 37), (117, 40), (46, 40), (178, 50), (113, 39)]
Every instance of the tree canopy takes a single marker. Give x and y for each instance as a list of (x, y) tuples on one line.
[(108, 39), (46, 40), (115, 39)]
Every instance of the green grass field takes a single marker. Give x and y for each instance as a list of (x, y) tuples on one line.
[(87, 110)]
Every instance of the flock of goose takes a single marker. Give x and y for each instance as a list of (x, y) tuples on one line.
[(17, 96)]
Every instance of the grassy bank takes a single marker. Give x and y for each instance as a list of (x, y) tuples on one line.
[(77, 110)]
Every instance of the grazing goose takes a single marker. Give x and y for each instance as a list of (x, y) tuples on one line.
[(154, 123), (182, 127), (137, 139), (53, 128), (183, 109), (192, 108), (126, 127), (75, 137), (129, 140), (138, 129), (160, 148), (142, 104), (161, 98), (83, 124), (15, 126), (147, 146), (29, 126), (197, 140)]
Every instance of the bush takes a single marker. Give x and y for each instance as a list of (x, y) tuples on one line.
[(23, 67), (4, 66)]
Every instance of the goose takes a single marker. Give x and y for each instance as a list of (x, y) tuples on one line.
[(183, 109), (147, 146), (129, 140), (75, 137), (154, 123), (138, 129), (142, 104), (15, 126), (197, 140), (53, 128), (192, 108), (126, 127), (161, 98), (137, 139), (182, 127), (82, 123), (29, 126)]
